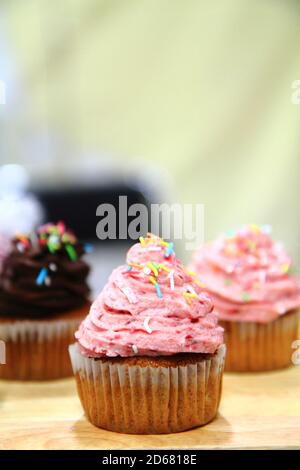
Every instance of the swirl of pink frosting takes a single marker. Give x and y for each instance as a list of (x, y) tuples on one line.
[(247, 276), (151, 306)]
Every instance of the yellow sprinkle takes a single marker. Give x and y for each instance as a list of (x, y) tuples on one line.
[(142, 241), (199, 283), (135, 265), (165, 268), (285, 267), (152, 279), (190, 295), (153, 268), (255, 228), (163, 243), (191, 273)]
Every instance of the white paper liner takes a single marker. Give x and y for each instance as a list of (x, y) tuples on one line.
[(148, 399), (35, 330), (37, 350), (254, 347)]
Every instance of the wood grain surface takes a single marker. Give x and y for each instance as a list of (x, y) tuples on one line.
[(257, 411)]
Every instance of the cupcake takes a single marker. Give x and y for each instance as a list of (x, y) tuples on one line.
[(257, 299), (43, 297), (149, 356)]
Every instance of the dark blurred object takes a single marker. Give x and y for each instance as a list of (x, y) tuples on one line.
[(77, 207)]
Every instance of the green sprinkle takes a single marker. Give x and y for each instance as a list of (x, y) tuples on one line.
[(245, 296), (230, 234), (158, 291), (51, 247), (227, 281), (71, 252)]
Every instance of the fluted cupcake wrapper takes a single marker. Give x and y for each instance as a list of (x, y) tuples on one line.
[(37, 350), (150, 399), (256, 347)]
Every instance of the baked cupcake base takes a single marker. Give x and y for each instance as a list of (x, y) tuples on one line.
[(38, 349), (255, 347), (149, 395)]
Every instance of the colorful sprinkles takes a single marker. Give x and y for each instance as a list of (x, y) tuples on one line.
[(153, 270), (250, 242), (54, 237)]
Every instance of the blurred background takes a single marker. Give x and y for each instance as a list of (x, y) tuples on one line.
[(161, 100)]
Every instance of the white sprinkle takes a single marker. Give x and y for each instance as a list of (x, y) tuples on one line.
[(20, 247), (146, 325), (134, 349), (47, 281), (129, 294), (262, 277), (52, 267), (191, 289), (53, 239), (154, 248), (171, 277), (147, 270)]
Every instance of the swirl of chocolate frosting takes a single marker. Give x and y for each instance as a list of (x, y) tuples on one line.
[(44, 274)]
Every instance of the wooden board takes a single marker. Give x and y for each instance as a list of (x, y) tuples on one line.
[(257, 411)]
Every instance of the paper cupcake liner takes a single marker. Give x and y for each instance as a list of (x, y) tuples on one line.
[(37, 350), (150, 399), (258, 347)]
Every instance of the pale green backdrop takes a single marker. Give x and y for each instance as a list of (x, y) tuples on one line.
[(202, 89)]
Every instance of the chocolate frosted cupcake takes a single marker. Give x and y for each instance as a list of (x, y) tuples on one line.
[(247, 276), (43, 297), (149, 356)]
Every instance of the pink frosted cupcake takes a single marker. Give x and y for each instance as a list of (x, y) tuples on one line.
[(149, 356), (247, 276)]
